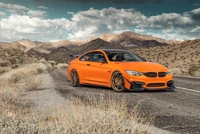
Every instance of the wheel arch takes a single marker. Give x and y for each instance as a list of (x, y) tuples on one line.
[(111, 79), (78, 77), (71, 71), (114, 72)]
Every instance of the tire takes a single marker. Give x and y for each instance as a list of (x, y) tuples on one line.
[(74, 78), (117, 82)]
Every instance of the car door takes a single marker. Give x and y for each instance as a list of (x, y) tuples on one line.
[(84, 67), (99, 71)]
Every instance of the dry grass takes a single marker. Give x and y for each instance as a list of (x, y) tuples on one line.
[(62, 65), (23, 78), (16, 81), (104, 117), (183, 57), (109, 115)]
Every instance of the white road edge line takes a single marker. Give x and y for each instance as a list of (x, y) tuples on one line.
[(187, 89)]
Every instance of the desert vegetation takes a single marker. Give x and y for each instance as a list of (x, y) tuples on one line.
[(182, 59), (18, 115), (12, 85), (21, 73)]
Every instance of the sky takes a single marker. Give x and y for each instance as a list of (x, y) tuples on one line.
[(52, 20)]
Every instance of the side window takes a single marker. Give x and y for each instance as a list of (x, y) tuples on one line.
[(112, 56), (86, 57), (98, 56), (129, 57)]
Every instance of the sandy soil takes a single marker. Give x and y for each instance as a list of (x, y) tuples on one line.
[(49, 97), (46, 97), (177, 111)]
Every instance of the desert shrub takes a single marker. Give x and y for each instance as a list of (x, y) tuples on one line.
[(15, 81), (193, 68), (80, 116), (4, 63), (103, 116), (32, 83), (62, 65)]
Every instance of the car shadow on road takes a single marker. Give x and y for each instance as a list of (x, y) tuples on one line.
[(151, 91), (99, 88)]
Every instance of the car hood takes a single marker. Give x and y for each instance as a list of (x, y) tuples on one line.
[(141, 66)]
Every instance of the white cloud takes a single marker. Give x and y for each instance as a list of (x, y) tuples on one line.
[(2, 4), (196, 11), (2, 13), (167, 20), (37, 13), (139, 30), (17, 27), (94, 22), (43, 7), (196, 29), (14, 8), (106, 20), (84, 33), (70, 13), (171, 36)]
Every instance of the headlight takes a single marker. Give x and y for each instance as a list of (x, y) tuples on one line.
[(168, 72), (133, 73)]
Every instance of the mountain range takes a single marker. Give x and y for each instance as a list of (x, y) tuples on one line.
[(126, 39), (173, 54)]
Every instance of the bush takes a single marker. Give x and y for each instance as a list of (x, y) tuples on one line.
[(80, 116), (192, 69), (106, 116)]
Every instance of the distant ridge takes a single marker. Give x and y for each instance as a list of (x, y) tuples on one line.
[(96, 44)]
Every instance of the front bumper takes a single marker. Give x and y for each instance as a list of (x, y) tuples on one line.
[(144, 83), (138, 86)]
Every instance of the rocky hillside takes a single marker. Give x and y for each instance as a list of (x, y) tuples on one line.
[(62, 43), (126, 39), (12, 55), (131, 39), (95, 44), (60, 55), (28, 44), (123, 40), (184, 58)]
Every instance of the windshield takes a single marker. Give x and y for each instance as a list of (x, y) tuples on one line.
[(122, 56)]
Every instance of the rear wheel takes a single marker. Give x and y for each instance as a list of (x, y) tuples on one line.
[(74, 78), (117, 82)]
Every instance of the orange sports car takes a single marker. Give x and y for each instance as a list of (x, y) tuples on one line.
[(119, 69)]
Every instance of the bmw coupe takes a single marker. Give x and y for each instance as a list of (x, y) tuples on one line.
[(119, 69)]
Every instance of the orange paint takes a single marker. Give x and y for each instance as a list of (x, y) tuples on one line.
[(100, 72)]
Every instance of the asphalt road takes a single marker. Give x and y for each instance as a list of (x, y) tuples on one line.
[(176, 111)]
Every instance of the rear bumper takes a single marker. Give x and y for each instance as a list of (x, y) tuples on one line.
[(140, 84)]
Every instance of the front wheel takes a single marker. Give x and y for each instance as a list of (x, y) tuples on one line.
[(117, 82), (74, 78)]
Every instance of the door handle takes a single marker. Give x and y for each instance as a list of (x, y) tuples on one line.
[(88, 64)]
